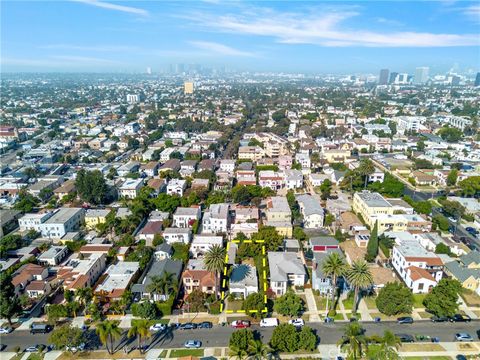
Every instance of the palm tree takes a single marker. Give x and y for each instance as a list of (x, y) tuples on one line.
[(389, 345), (108, 331), (162, 285), (215, 261), (360, 277), (84, 295), (140, 329), (353, 340), (258, 350), (334, 266), (365, 169), (238, 353)]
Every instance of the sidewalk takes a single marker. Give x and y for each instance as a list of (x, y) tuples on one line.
[(312, 306)]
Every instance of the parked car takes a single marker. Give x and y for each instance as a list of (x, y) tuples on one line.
[(463, 337), (405, 337), (74, 349), (439, 318), (193, 344), (471, 230), (6, 330), (297, 322), (3, 347), (240, 324), (175, 326), (32, 348), (158, 327), (269, 322), (460, 357), (405, 320), (205, 325), (460, 318), (40, 328), (188, 326)]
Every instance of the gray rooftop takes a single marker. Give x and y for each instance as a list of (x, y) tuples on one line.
[(157, 269), (310, 204), (373, 199), (284, 263), (63, 215), (243, 275)]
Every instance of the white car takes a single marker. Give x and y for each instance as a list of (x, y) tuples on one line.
[(463, 337), (297, 322), (158, 327), (6, 330), (74, 349)]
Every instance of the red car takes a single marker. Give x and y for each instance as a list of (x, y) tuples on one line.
[(240, 324)]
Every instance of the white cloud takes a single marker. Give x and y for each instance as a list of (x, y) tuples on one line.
[(220, 49), (117, 7), (473, 12), (323, 27)]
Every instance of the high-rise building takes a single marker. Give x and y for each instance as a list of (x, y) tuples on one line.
[(393, 76), (477, 79), (149, 70), (179, 68), (401, 78), (383, 79), (188, 87), (421, 75), (133, 98)]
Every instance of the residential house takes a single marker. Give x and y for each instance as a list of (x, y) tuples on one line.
[(195, 277), (202, 243), (277, 209), (304, 160), (31, 279), (227, 165), (174, 235), (466, 269), (53, 256), (293, 179), (216, 219), (252, 153), (186, 217), (271, 179), (312, 211), (130, 189), (64, 220), (188, 167), (141, 289), (158, 185), (246, 177), (151, 168), (243, 280), (163, 251), (94, 217), (285, 162), (82, 272), (32, 221), (67, 188), (176, 187), (116, 280), (149, 231), (286, 268)]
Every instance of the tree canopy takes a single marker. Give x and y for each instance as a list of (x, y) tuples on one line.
[(394, 298), (443, 299)]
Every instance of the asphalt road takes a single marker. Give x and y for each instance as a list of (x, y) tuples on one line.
[(219, 336)]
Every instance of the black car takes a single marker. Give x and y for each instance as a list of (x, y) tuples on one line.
[(405, 320), (188, 326), (460, 318), (205, 325), (460, 357), (439, 318), (405, 338)]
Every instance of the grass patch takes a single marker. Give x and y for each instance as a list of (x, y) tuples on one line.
[(348, 303), (163, 354), (418, 300), (152, 322), (421, 347), (186, 352), (424, 315), (370, 302), (321, 302), (470, 298), (234, 305), (35, 356)]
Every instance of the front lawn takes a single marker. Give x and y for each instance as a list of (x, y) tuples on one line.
[(370, 302), (177, 353), (234, 305), (348, 303), (321, 302), (418, 300), (470, 298), (423, 347)]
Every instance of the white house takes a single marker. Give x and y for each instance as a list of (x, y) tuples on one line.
[(33, 221), (312, 211), (53, 256), (63, 221), (174, 235), (131, 188), (286, 268), (227, 165), (304, 160), (293, 179), (176, 187), (243, 280), (216, 219), (202, 243), (185, 217)]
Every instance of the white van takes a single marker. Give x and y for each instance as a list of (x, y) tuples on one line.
[(269, 322)]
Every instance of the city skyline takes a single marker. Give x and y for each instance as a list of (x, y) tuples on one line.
[(97, 36)]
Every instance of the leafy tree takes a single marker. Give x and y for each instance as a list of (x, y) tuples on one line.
[(441, 248), (289, 304), (329, 219), (141, 330), (452, 177), (299, 233), (372, 246), (145, 310), (353, 341), (10, 242), (441, 222), (165, 202), (450, 134), (285, 338), (215, 197), (241, 340), (66, 335), (107, 332), (271, 237), (421, 207), (359, 277), (470, 186), (9, 304), (443, 299), (334, 266), (453, 208), (325, 189), (91, 186), (394, 298), (55, 312), (254, 301), (180, 252), (307, 340), (26, 202)]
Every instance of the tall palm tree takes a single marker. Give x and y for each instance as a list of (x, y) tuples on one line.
[(334, 266), (84, 295), (389, 345), (162, 285), (360, 277), (365, 169), (354, 340), (238, 353), (215, 261), (140, 329), (258, 350), (108, 331)]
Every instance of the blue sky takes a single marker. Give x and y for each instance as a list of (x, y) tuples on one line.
[(331, 37)]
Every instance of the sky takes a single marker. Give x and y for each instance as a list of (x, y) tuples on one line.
[(291, 36)]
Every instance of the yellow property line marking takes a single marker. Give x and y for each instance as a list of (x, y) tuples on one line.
[(241, 311), (229, 311), (260, 241), (263, 250), (221, 307), (264, 262), (236, 241), (224, 281), (225, 271), (247, 241), (228, 246)]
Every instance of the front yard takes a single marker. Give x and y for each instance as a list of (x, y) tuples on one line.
[(418, 300)]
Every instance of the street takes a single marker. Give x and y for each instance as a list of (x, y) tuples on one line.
[(219, 336)]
